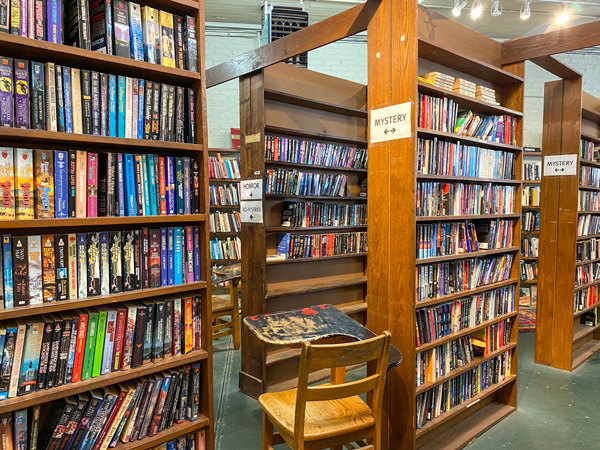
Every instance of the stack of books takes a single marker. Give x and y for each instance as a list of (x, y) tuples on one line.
[(486, 94), (440, 80), (464, 87)]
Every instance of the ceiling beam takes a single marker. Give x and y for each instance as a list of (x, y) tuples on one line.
[(347, 23), (551, 43), (556, 67)]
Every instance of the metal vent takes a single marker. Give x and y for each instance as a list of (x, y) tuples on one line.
[(281, 21)]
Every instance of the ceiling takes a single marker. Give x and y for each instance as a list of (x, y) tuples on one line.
[(506, 26)]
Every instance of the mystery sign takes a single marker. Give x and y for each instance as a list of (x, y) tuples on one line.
[(389, 123), (559, 165)]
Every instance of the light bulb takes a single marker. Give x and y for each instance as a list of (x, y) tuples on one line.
[(562, 18), (525, 10), (476, 9), (458, 6)]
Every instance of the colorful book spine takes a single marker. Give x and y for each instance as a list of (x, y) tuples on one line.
[(128, 106), (135, 31), (129, 281), (38, 110), (15, 17), (121, 100), (81, 176), (61, 184), (51, 118), (104, 263), (31, 357), (151, 34), (196, 253), (86, 100), (22, 104), (167, 41), (82, 269), (104, 100), (80, 346), (140, 111), (68, 99), (90, 345), (76, 101), (62, 266), (7, 271), (120, 185), (6, 92), (116, 263), (44, 184), (120, 329), (112, 105), (93, 264), (146, 181), (192, 44), (164, 271), (24, 21), (48, 268), (92, 184), (152, 185), (179, 197), (96, 112), (109, 342), (54, 21), (170, 185), (171, 255), (72, 265), (7, 183), (129, 184), (60, 98), (189, 254), (24, 184)]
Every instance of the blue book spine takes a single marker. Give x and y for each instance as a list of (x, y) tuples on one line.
[(170, 181), (152, 184), (120, 183), (178, 260), (131, 205), (135, 29), (8, 271), (121, 107), (72, 348), (146, 183), (172, 445), (164, 264), (68, 105), (141, 103), (54, 21), (171, 256), (196, 253), (61, 184), (112, 105)]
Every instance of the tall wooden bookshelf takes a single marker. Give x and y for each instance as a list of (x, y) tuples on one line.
[(35, 50), (290, 102), (571, 118)]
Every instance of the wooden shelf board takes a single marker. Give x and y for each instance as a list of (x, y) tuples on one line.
[(590, 137), (479, 254), (532, 181), (589, 236), (587, 162), (313, 166), (467, 293), (224, 261), (432, 424), (530, 207), (477, 361), (15, 137), (9, 224), (529, 258), (177, 430), (535, 232), (322, 258), (320, 198), (583, 286), (67, 305), (467, 217), (466, 102), (461, 434), (581, 331), (529, 281), (586, 309), (224, 206), (468, 139), (584, 352), (590, 114), (223, 150), (469, 180), (269, 129), (465, 331), (295, 229), (592, 213), (224, 180), (587, 261), (353, 308), (313, 285), (225, 233), (291, 99), (48, 395), (589, 188)]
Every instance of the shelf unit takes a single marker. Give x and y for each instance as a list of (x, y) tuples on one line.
[(219, 182), (561, 341), (291, 102), (40, 51)]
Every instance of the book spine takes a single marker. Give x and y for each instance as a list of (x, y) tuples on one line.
[(104, 104), (63, 353), (197, 313), (44, 184), (24, 184), (155, 122), (137, 356), (22, 104), (80, 347), (60, 98), (135, 27), (109, 342), (148, 110), (121, 105), (130, 185), (139, 185), (120, 180), (86, 100), (191, 116), (168, 330), (148, 330), (44, 356), (121, 27), (164, 263), (189, 254), (171, 255), (90, 345), (135, 90), (61, 184), (95, 116), (7, 183), (112, 105), (194, 398), (61, 264), (18, 357), (72, 350), (140, 110), (76, 101), (48, 269), (192, 45), (81, 184), (51, 118), (145, 249), (38, 111), (130, 325), (116, 263), (128, 106), (7, 92), (179, 195), (120, 330), (82, 269), (188, 325), (104, 263), (197, 254), (178, 256), (34, 257), (5, 17), (129, 279), (162, 186), (170, 185), (15, 17), (93, 264), (68, 99), (164, 113), (167, 44), (20, 270), (7, 271), (146, 185), (178, 23), (92, 185), (179, 131), (72, 255)]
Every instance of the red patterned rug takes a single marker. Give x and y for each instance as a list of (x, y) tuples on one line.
[(526, 319)]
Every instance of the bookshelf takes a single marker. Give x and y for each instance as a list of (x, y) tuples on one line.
[(286, 102), (566, 335), (40, 51)]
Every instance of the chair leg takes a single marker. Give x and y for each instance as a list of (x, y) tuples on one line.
[(267, 433), (235, 314)]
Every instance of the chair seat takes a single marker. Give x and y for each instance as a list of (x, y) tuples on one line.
[(221, 304), (324, 419)]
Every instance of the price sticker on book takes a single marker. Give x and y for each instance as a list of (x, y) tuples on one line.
[(252, 211), (559, 165), (390, 123), (251, 189)]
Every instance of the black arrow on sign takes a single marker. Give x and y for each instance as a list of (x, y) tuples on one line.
[(386, 131), (251, 216)]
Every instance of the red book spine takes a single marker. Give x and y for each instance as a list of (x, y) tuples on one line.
[(119, 338), (110, 420), (162, 186), (92, 185), (80, 347)]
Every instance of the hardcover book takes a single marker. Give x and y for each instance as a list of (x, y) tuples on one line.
[(167, 40), (121, 29), (34, 256), (50, 75), (61, 184), (38, 110), (135, 31), (44, 184), (62, 267), (93, 264), (22, 106), (60, 98), (6, 92), (24, 183), (7, 183), (48, 268), (151, 34)]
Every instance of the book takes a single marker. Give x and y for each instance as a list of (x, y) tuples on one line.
[(191, 62), (17, 359), (128, 256), (22, 103), (57, 330), (6, 92), (24, 184), (5, 17), (7, 183), (101, 33), (8, 355), (72, 179), (102, 335), (151, 34), (80, 345), (20, 430), (68, 100), (81, 182), (48, 269), (93, 264), (61, 184), (178, 25), (95, 91), (44, 184), (112, 105), (76, 100), (104, 104), (116, 263), (73, 275), (86, 100), (121, 106), (190, 116), (90, 344), (156, 108), (61, 264), (104, 251), (120, 336), (188, 325), (51, 119), (29, 367), (38, 107), (121, 29), (135, 94), (92, 184), (77, 21), (54, 32), (15, 17), (82, 266), (20, 271), (135, 29), (128, 106), (167, 40)]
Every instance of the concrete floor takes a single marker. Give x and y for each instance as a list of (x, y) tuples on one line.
[(556, 410)]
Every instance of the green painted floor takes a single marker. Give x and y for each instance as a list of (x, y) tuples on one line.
[(556, 410)]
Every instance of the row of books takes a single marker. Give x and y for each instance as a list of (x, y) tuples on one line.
[(230, 248), (588, 200), (436, 157), (461, 86), (452, 393), (528, 295), (58, 98), (588, 225), (49, 268), (293, 182), (299, 246), (318, 214), (454, 238), (228, 168), (530, 196), (589, 176), (224, 194), (50, 351), (457, 199), (437, 280), (303, 151), (589, 150), (585, 297), (587, 273), (530, 247), (532, 171), (441, 320), (225, 222), (529, 271), (589, 318), (587, 250), (46, 184), (530, 221), (442, 114)]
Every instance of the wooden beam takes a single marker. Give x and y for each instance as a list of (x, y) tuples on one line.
[(551, 43), (556, 67), (347, 23)]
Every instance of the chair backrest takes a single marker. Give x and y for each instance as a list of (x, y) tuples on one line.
[(317, 357)]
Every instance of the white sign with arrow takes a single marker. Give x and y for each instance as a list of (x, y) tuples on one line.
[(252, 189), (251, 211), (389, 123), (559, 165)]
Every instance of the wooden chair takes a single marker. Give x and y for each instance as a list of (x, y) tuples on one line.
[(221, 308), (329, 415)]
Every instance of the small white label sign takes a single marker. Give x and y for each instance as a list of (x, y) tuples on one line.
[(252, 212), (560, 165), (389, 123), (252, 189)]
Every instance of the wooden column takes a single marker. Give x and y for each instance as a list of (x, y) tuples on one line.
[(392, 74)]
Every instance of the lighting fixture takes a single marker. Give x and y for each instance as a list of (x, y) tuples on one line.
[(525, 10), (458, 6), (564, 16), (496, 8), (476, 9)]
